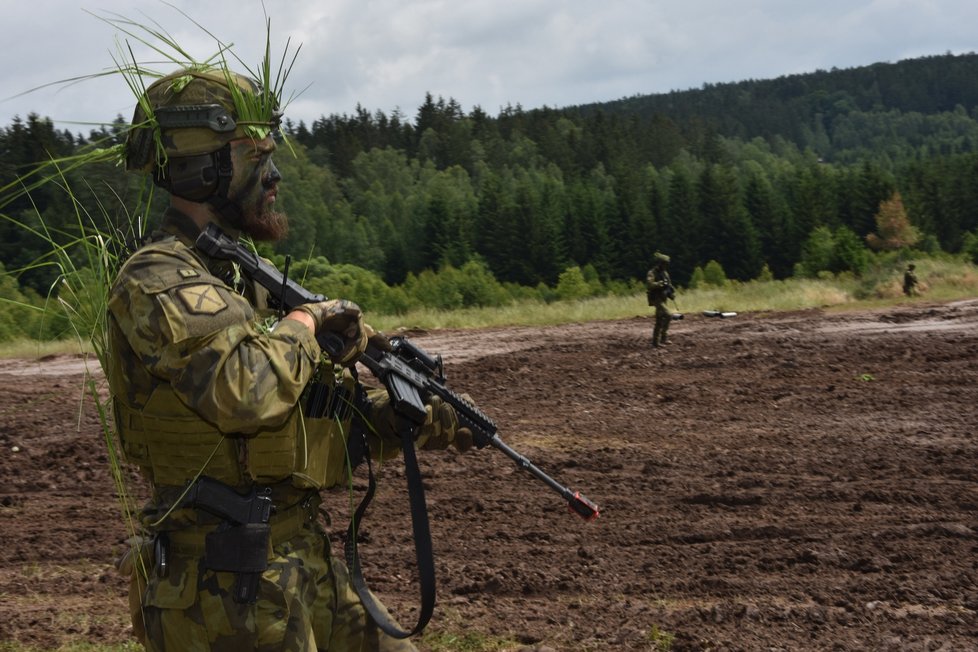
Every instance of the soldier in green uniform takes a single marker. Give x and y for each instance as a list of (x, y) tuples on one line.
[(207, 382), (910, 281), (659, 291)]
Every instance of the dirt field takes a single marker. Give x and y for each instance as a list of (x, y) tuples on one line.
[(801, 481)]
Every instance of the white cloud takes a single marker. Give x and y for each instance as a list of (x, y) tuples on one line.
[(386, 54)]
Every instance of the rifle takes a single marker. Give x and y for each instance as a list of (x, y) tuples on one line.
[(410, 376), (410, 373)]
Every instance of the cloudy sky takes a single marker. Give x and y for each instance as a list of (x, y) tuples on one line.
[(386, 54)]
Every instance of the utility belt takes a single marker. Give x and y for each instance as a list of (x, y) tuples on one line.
[(250, 526)]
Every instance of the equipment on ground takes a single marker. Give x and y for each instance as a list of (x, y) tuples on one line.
[(717, 313), (677, 314)]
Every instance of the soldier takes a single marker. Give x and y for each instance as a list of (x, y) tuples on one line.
[(206, 381), (660, 290), (910, 281)]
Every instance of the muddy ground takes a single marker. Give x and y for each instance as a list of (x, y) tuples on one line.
[(802, 481)]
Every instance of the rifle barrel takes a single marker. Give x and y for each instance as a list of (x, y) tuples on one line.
[(577, 503)]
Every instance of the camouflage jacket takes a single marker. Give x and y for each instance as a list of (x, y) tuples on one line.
[(658, 285), (204, 380)]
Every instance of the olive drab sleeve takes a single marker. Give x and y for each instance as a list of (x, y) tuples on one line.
[(191, 331)]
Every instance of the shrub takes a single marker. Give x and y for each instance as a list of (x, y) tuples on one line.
[(713, 274), (571, 284)]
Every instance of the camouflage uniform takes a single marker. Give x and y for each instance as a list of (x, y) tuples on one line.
[(910, 281), (201, 386), (659, 291)]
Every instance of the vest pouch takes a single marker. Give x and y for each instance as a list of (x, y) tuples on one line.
[(322, 453), (174, 443), (134, 448), (325, 425), (272, 453)]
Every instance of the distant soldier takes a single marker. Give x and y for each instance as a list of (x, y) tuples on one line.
[(910, 281), (660, 290)]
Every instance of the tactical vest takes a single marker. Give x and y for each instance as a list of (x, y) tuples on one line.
[(173, 444)]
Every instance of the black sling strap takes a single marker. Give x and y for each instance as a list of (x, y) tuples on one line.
[(423, 551)]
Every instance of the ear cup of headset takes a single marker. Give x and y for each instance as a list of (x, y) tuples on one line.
[(194, 178)]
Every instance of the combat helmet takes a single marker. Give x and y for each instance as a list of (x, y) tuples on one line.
[(661, 257), (183, 124)]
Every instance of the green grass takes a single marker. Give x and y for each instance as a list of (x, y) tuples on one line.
[(941, 280), (36, 349), (660, 640), (128, 646), (465, 642)]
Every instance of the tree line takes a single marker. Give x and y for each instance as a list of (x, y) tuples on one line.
[(756, 176)]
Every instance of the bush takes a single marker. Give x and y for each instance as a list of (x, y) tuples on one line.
[(357, 284), (22, 314), (571, 285), (479, 287), (714, 275), (969, 247), (833, 252), (450, 288), (816, 253)]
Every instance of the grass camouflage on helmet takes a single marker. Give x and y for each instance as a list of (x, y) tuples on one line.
[(88, 260), (191, 112), (254, 103)]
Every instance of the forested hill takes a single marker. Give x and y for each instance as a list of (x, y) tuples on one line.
[(797, 107), (821, 172)]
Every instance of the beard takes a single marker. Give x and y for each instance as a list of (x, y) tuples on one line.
[(264, 224), (257, 216), (253, 192)]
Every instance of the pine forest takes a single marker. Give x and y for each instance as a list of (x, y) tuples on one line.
[(800, 175)]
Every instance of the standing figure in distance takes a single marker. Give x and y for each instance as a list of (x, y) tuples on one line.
[(659, 291), (910, 281), (209, 390)]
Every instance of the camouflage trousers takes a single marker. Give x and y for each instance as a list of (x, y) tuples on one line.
[(662, 319), (305, 603)]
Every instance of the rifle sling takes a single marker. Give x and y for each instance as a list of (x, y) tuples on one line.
[(423, 551)]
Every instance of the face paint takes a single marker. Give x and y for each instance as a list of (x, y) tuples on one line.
[(254, 188)]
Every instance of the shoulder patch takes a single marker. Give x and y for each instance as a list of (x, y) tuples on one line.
[(202, 299)]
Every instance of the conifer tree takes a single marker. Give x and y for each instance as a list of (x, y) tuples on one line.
[(893, 227)]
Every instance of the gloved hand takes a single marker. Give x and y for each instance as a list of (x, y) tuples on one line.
[(442, 427), (344, 319), (377, 339)]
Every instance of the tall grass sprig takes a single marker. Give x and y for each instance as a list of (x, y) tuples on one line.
[(88, 255)]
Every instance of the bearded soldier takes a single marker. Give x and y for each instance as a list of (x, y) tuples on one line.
[(208, 392), (659, 291)]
